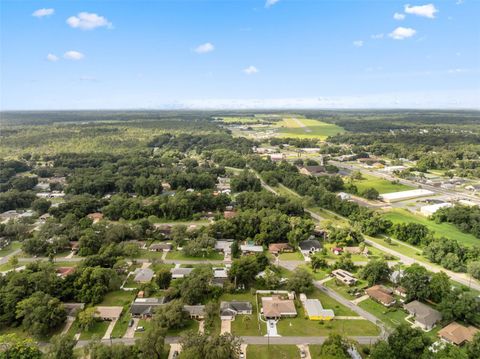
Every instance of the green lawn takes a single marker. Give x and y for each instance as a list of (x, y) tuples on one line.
[(299, 326), (391, 317), (380, 184), (447, 230), (245, 325), (288, 127), (293, 256), (180, 256), (318, 275), (330, 303), (191, 325), (273, 351), (10, 248), (344, 290), (118, 297), (98, 330)]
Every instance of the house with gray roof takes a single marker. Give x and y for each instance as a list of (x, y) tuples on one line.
[(178, 273), (425, 316), (195, 311), (228, 310), (143, 275), (145, 307)]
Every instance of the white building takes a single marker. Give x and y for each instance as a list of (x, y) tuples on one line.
[(405, 195), (429, 210)]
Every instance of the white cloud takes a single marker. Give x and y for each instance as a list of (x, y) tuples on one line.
[(88, 21), (459, 2), (427, 10), (399, 16), (250, 70), (377, 36), (204, 48), (43, 12), (52, 57), (401, 33), (269, 3), (358, 43), (73, 55)]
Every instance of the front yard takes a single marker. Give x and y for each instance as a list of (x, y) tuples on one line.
[(179, 255), (272, 351), (392, 317)]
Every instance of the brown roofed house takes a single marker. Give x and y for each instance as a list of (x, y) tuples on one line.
[(229, 214), (381, 294), (275, 307), (64, 271), (457, 334), (95, 217), (277, 248)]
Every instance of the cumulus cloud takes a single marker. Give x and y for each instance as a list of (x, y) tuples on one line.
[(204, 48), (401, 33), (399, 16), (427, 10), (52, 57), (43, 12), (73, 55), (88, 21), (358, 43), (377, 36), (250, 70), (269, 3)]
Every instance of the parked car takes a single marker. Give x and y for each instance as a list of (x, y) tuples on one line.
[(175, 354), (303, 354), (140, 329), (130, 323), (242, 356)]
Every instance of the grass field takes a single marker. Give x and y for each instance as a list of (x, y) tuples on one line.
[(380, 184), (273, 351), (447, 230), (180, 256), (330, 303), (344, 290), (293, 256), (10, 248), (391, 317), (97, 330), (305, 128), (118, 297)]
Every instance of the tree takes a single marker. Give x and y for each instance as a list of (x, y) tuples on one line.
[(196, 346), (61, 347), (41, 205), (301, 281), (211, 314), (408, 343), (371, 194), (152, 343), (375, 271), (416, 282), (40, 313), (334, 347), (13, 347), (196, 287), (163, 278), (86, 318), (473, 348), (171, 316), (439, 286), (98, 350), (131, 250), (382, 350), (13, 261), (473, 269), (94, 282), (318, 262)]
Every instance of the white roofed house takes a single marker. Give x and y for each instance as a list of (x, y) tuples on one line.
[(430, 210), (178, 273), (250, 248)]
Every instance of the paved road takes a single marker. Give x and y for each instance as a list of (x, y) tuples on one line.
[(4, 259), (363, 313), (458, 277), (247, 340)]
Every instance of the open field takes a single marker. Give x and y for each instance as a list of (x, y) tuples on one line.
[(447, 230), (273, 351), (380, 184), (392, 317), (291, 256), (118, 297), (305, 128), (178, 255)]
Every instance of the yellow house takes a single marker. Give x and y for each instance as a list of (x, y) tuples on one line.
[(314, 310)]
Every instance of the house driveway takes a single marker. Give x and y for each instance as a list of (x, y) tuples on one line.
[(174, 348), (68, 324), (130, 333), (109, 329), (243, 349), (305, 348), (226, 326), (272, 328)]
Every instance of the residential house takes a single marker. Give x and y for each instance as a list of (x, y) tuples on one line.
[(457, 334), (312, 170), (229, 214), (314, 309), (224, 245), (195, 311), (344, 276), (400, 291), (396, 276), (228, 310), (250, 248), (381, 294), (160, 247), (425, 316), (145, 307), (62, 272), (108, 313), (95, 217), (344, 196), (178, 273), (275, 308), (277, 248), (309, 246), (143, 275), (220, 276), (277, 157), (337, 250)]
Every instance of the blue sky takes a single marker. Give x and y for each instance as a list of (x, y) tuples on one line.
[(239, 54)]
